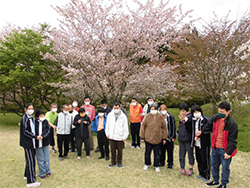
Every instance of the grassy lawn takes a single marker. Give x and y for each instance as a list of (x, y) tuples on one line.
[(94, 172)]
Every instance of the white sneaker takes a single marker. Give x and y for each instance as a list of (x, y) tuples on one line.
[(87, 157), (138, 147), (35, 184), (157, 169), (78, 158), (25, 178), (145, 167), (132, 147)]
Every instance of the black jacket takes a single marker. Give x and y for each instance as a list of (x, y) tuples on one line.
[(27, 138), (230, 133), (205, 137), (185, 130), (171, 126), (82, 128), (45, 132)]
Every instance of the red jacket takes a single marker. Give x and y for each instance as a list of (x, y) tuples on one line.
[(230, 133)]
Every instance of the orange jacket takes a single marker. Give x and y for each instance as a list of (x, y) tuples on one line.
[(135, 113)]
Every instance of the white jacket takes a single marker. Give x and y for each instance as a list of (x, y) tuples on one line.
[(117, 130)]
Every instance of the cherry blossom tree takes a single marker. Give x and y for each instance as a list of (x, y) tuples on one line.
[(108, 48)]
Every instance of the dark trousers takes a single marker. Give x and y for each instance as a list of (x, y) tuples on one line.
[(169, 146), (79, 141), (63, 140), (103, 143), (203, 159), (51, 137), (148, 150), (116, 145), (30, 168), (185, 147), (135, 131), (72, 139)]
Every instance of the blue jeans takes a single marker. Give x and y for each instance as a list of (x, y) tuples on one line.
[(149, 148), (183, 149), (217, 158), (42, 155)]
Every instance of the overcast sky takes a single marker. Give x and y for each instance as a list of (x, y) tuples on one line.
[(25, 13)]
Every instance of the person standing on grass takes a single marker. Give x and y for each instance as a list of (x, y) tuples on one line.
[(82, 122), (153, 132), (147, 107), (117, 132), (99, 126), (27, 141), (73, 113), (42, 146), (63, 126), (135, 110), (184, 137), (51, 117), (90, 111), (107, 109), (169, 146), (202, 144), (224, 142)]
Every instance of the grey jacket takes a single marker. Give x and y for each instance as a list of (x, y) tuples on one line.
[(63, 123)]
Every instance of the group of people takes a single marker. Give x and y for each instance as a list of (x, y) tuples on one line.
[(151, 124)]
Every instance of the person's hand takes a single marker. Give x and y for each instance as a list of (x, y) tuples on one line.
[(142, 140), (226, 156), (54, 127), (19, 124), (164, 142), (173, 139), (85, 122), (123, 140), (79, 121), (198, 133), (182, 116), (107, 137)]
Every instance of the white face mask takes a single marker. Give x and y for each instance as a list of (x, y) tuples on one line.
[(105, 107), (74, 104), (87, 103), (197, 115), (54, 110), (65, 112), (101, 114), (153, 112), (30, 112), (42, 119), (133, 103), (150, 102), (164, 112), (116, 111)]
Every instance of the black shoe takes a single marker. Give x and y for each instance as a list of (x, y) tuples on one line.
[(91, 149), (97, 150), (107, 158), (212, 183), (101, 157), (222, 186), (170, 167)]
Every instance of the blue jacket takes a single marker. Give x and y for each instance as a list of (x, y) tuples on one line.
[(95, 123)]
